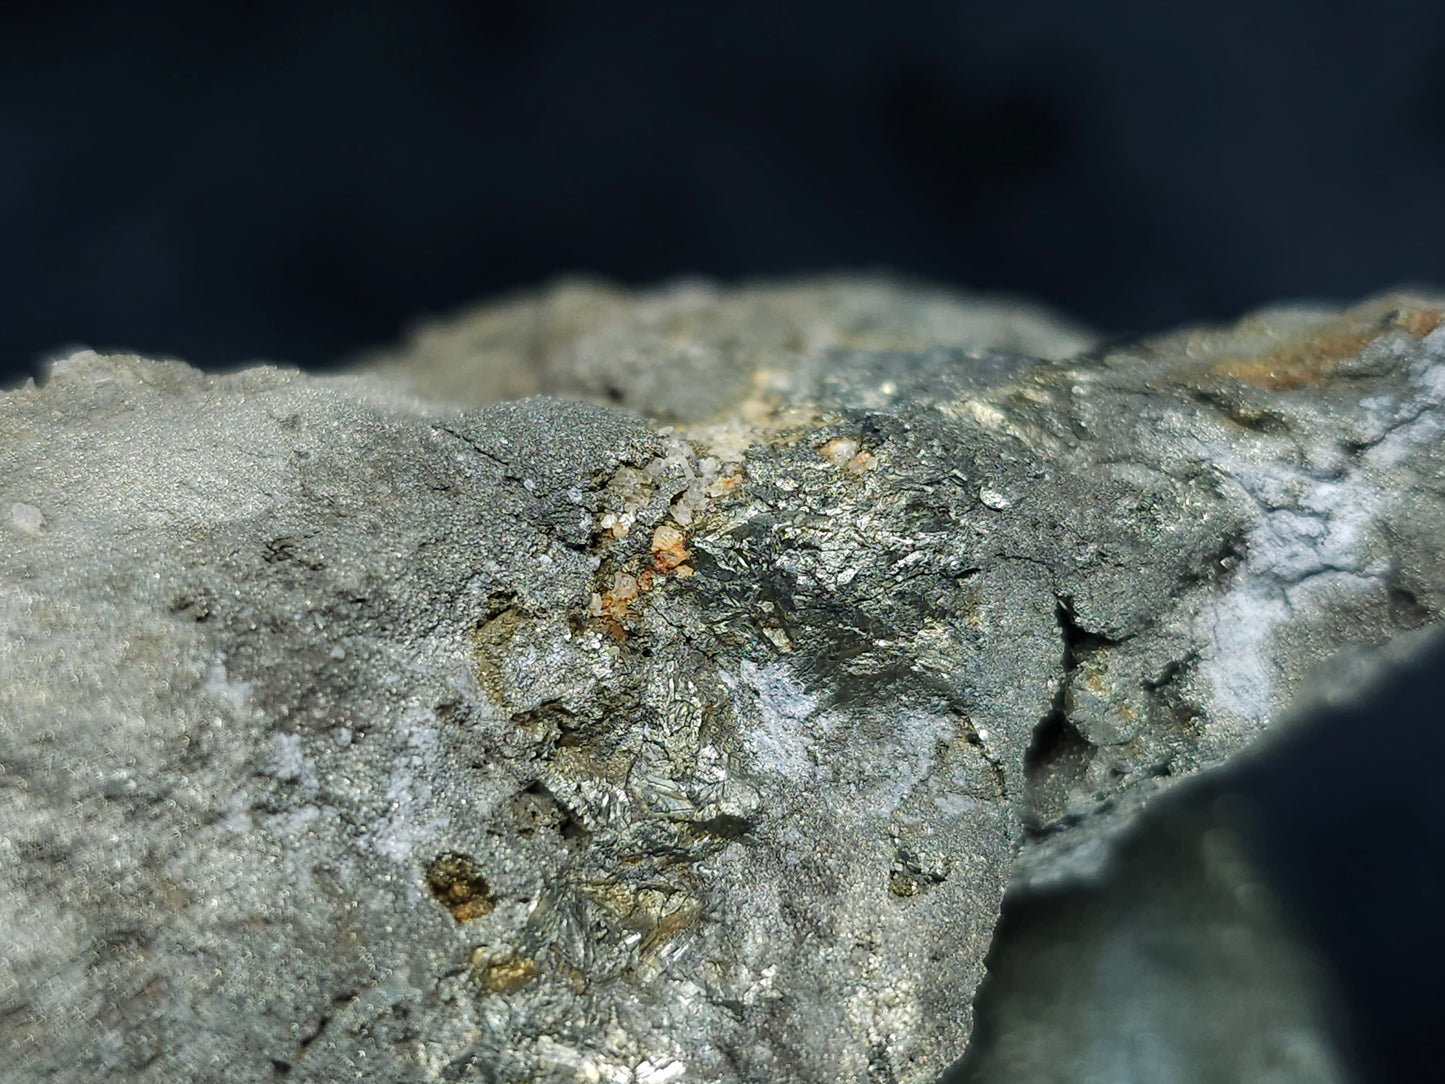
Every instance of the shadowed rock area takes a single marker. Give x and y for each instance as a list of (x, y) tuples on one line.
[(683, 720)]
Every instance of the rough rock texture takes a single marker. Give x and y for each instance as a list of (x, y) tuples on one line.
[(689, 734), (1185, 963), (692, 351)]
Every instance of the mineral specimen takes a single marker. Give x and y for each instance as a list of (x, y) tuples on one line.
[(685, 720)]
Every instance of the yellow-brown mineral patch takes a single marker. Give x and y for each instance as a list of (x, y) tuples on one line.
[(839, 450), (458, 886), (844, 453), (614, 601), (503, 972), (668, 927), (668, 550), (1313, 356)]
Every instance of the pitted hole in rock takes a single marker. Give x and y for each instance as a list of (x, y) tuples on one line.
[(725, 826), (1251, 416), (1167, 691), (1219, 566), (491, 637), (535, 807), (196, 603), (1406, 609), (914, 872), (548, 723), (458, 885), (1079, 642), (1056, 762), (699, 839), (551, 726)]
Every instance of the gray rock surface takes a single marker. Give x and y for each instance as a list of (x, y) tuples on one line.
[(351, 728), (1189, 962)]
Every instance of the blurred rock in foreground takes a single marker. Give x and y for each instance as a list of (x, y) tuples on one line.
[(686, 726)]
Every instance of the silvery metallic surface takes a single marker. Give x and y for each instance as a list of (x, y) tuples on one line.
[(688, 726)]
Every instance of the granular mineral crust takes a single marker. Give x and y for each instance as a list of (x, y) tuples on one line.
[(685, 720)]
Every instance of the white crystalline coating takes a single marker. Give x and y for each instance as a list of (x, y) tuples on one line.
[(987, 415), (26, 517), (81, 364), (1304, 527), (919, 734), (1240, 626), (554, 1055), (1425, 421), (779, 740), (236, 695), (288, 762), (955, 805), (412, 815), (840, 450), (1322, 532), (664, 1071), (994, 499)]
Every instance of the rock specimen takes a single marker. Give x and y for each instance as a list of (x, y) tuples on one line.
[(1188, 961), (687, 726)]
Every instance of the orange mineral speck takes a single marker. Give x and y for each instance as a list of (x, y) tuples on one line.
[(613, 602), (668, 550), (839, 450), (1419, 322)]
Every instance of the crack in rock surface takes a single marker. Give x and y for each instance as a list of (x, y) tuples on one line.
[(685, 720)]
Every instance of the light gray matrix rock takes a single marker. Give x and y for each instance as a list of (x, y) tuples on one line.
[(359, 727)]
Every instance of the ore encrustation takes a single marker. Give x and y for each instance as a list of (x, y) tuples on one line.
[(691, 733)]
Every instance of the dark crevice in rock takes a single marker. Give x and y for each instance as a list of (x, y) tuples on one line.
[(535, 806), (1171, 704), (1247, 415), (1056, 760), (337, 1003), (1059, 755), (1079, 643), (1231, 553), (726, 826), (879, 1069), (1406, 609), (1171, 673)]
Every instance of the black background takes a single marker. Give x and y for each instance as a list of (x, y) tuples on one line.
[(294, 181)]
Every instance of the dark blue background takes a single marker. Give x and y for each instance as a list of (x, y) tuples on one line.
[(296, 180)]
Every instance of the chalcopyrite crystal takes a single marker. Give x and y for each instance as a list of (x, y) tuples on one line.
[(651, 687)]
